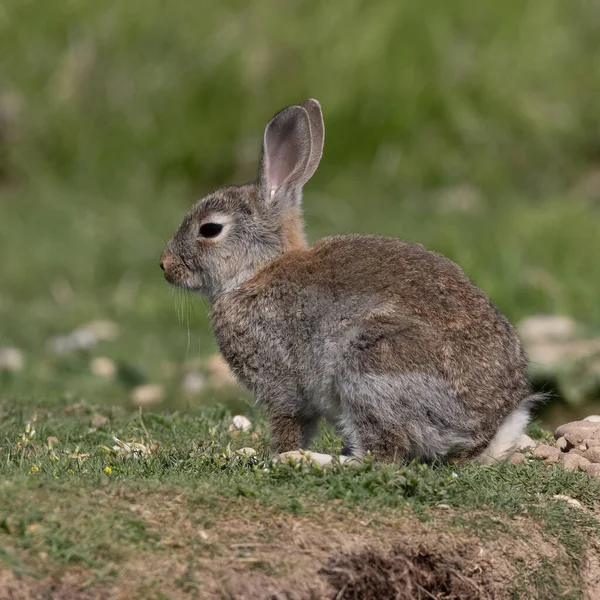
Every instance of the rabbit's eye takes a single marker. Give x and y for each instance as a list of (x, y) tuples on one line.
[(209, 230)]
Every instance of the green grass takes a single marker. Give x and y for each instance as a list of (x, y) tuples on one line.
[(472, 128), (67, 497)]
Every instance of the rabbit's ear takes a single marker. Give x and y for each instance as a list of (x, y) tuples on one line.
[(286, 155), (317, 135)]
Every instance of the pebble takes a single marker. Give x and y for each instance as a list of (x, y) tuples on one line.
[(103, 331), (84, 337), (517, 459), (593, 454), (246, 452), (104, 367), (547, 327), (11, 360), (240, 422), (552, 354), (78, 340), (577, 447), (568, 500), (580, 437), (578, 429), (459, 198), (573, 462), (525, 442), (548, 453), (300, 456), (147, 395), (193, 382), (593, 470)]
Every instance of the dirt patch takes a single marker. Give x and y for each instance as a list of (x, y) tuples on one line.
[(410, 573), (284, 557), (263, 553), (421, 563), (70, 586), (591, 573)]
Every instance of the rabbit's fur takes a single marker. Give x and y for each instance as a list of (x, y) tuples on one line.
[(390, 342)]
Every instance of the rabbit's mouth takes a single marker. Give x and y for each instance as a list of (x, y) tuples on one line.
[(177, 272)]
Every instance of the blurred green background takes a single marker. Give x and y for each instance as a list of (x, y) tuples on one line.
[(472, 127)]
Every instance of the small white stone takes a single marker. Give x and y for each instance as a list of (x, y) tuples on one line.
[(576, 431), (593, 470), (240, 422), (85, 337), (574, 462), (517, 459), (303, 455), (540, 328), (548, 453), (320, 459), (103, 331), (104, 367), (464, 198), (593, 454), (193, 382), (568, 500), (525, 442), (593, 419), (247, 452), (146, 395), (80, 339), (203, 534), (11, 360)]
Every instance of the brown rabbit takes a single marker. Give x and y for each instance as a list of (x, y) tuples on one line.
[(390, 342)]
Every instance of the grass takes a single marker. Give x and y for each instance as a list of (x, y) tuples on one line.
[(470, 128), (69, 501)]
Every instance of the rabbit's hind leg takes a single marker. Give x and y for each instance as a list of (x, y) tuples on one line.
[(365, 431), (402, 415), (393, 399)]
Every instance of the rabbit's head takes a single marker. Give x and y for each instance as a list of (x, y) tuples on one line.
[(230, 234)]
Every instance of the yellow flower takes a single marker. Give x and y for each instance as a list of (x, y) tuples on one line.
[(107, 470), (34, 469)]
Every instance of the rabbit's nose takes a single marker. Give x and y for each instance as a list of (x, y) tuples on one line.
[(166, 260), (170, 264)]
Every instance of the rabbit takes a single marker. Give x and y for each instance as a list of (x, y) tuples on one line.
[(390, 342)]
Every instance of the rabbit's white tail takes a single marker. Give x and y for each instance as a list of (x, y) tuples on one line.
[(507, 437)]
